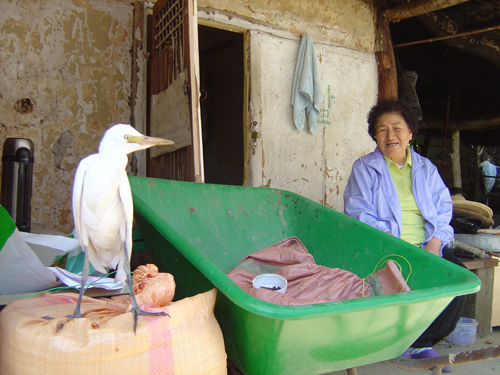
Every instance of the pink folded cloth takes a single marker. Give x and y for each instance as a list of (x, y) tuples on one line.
[(309, 282)]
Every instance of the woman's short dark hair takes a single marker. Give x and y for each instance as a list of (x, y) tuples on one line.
[(386, 106)]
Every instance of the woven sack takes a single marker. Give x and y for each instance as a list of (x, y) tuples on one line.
[(103, 342)]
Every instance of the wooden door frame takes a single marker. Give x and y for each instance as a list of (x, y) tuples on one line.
[(194, 80), (246, 126), (186, 163)]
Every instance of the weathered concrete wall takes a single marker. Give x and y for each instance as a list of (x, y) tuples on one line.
[(344, 22), (314, 165), (72, 60)]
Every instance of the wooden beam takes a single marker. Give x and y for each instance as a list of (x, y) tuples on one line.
[(478, 124), (460, 125), (448, 36), (462, 44), (417, 8)]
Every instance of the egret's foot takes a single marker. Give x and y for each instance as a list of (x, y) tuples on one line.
[(75, 315), (72, 316), (137, 311)]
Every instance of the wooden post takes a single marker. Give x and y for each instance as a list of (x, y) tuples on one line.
[(387, 75), (386, 63), (191, 23), (138, 93), (456, 173), (479, 306), (475, 173)]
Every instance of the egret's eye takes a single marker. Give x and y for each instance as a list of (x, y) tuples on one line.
[(127, 137)]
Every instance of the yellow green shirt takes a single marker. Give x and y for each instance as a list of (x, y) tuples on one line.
[(412, 230)]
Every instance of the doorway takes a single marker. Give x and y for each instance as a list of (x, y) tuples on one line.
[(221, 59)]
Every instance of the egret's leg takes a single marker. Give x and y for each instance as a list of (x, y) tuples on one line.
[(135, 307), (85, 274)]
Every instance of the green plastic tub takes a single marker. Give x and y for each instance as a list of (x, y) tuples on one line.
[(199, 232)]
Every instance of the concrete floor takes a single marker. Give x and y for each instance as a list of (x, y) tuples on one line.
[(489, 367)]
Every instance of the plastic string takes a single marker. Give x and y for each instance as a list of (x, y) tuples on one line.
[(381, 263)]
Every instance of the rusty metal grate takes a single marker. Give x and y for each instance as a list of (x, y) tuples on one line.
[(169, 37), (168, 23)]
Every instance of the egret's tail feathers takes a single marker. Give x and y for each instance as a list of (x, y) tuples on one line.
[(120, 276), (95, 260)]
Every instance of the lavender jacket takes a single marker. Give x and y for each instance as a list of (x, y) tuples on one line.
[(370, 196)]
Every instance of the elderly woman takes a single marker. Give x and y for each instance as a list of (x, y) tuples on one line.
[(400, 192)]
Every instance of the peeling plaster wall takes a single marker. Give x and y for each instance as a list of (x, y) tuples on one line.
[(72, 60), (344, 22), (314, 165)]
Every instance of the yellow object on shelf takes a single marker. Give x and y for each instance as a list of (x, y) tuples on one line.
[(461, 203)]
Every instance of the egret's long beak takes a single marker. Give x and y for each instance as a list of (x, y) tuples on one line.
[(150, 141)]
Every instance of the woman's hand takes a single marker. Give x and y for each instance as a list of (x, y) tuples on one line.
[(433, 246)]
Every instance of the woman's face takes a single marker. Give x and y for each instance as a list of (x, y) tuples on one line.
[(393, 135)]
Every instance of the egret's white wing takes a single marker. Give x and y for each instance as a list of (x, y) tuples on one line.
[(77, 200), (80, 226), (128, 208), (125, 233)]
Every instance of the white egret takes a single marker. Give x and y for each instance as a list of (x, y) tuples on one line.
[(103, 208)]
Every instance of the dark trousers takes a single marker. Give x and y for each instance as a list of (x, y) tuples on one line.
[(446, 322)]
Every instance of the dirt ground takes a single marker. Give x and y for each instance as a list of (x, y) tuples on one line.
[(488, 367)]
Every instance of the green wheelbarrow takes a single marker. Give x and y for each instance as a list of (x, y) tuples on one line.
[(199, 232)]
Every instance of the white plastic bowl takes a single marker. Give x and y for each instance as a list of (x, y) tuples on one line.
[(270, 281)]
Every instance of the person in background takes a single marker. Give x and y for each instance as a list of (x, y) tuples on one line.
[(398, 191), (489, 172)]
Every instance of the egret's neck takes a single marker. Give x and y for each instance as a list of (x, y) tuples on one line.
[(116, 158)]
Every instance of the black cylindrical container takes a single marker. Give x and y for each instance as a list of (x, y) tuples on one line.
[(17, 180)]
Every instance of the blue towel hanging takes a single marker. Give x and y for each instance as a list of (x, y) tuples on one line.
[(306, 91)]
